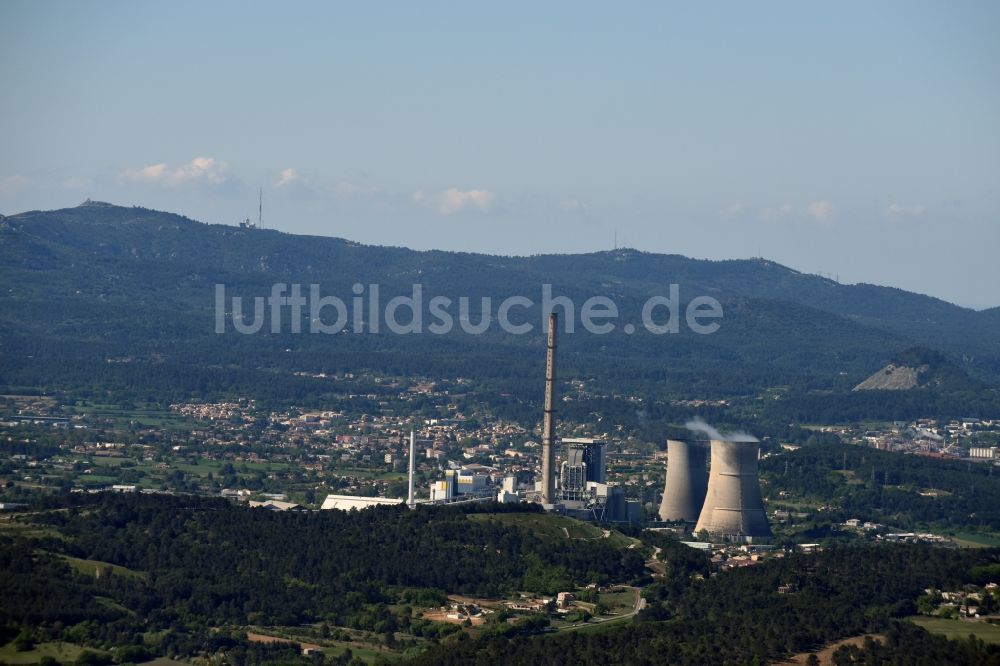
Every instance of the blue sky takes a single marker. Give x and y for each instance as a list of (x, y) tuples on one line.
[(857, 139)]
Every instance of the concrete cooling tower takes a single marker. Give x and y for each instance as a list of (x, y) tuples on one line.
[(733, 505), (687, 481)]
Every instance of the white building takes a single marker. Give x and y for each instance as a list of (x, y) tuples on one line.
[(348, 502)]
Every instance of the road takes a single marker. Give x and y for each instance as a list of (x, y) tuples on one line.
[(654, 564), (637, 606)]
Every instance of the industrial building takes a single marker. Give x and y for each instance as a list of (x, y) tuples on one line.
[(458, 483), (508, 491), (348, 502), (584, 464), (582, 489)]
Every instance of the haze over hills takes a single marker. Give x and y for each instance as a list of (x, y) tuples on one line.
[(107, 289)]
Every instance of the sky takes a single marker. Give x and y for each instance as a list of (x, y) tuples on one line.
[(859, 140)]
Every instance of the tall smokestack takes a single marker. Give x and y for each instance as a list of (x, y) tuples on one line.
[(548, 423), (733, 505), (687, 481), (410, 501)]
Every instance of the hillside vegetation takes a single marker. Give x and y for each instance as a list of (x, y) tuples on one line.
[(110, 569), (105, 301)]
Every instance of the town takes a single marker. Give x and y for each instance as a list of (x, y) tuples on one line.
[(300, 457)]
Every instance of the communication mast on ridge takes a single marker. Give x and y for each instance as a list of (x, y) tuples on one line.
[(247, 224)]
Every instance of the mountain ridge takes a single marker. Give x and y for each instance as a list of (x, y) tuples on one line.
[(120, 214), (618, 254), (86, 281)]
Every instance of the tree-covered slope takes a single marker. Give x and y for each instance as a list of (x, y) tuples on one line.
[(114, 296)]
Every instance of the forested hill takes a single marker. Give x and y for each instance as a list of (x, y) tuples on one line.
[(108, 570), (91, 289)]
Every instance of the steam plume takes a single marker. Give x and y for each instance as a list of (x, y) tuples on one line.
[(697, 424)]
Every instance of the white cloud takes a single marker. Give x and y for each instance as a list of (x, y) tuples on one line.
[(895, 210), (732, 210), (821, 211), (574, 205), (149, 174), (454, 200), (12, 184), (201, 169), (818, 211), (286, 177), (776, 212), (207, 169)]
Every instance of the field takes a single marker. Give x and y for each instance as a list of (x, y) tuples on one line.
[(825, 655), (976, 540), (560, 527), (850, 477), (619, 602), (63, 652), (196, 466), (90, 567), (145, 416), (360, 648), (12, 527), (623, 606), (959, 628), (368, 473), (545, 525), (366, 654), (108, 470)]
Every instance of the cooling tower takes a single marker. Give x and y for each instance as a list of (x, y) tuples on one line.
[(733, 506), (687, 481)]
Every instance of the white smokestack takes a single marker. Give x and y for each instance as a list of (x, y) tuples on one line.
[(410, 502)]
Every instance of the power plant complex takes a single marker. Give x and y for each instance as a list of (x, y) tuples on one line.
[(721, 499), (726, 503)]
